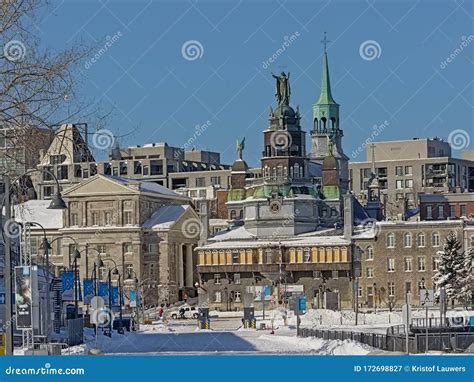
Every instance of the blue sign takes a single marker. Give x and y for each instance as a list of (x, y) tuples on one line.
[(103, 289), (471, 320), (88, 290), (67, 279), (114, 292), (301, 303)]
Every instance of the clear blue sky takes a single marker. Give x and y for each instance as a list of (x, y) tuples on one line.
[(150, 85)]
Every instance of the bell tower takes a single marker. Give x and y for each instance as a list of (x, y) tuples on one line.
[(326, 126)]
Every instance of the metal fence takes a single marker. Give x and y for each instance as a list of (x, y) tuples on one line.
[(446, 341)]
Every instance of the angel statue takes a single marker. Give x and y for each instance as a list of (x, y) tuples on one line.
[(240, 147)]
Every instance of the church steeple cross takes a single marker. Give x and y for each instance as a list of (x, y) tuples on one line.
[(325, 41)]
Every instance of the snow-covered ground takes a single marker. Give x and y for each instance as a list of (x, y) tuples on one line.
[(184, 338)]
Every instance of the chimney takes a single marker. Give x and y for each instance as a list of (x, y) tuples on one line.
[(203, 211), (348, 215)]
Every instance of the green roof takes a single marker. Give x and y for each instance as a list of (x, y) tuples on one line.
[(325, 98), (331, 192), (236, 194)]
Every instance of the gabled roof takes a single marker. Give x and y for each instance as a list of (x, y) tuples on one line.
[(122, 185), (166, 216)]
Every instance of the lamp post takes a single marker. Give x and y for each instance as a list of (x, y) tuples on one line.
[(375, 298), (57, 203), (109, 280), (135, 279), (117, 273), (77, 255)]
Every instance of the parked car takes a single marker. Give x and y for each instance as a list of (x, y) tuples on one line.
[(182, 312)]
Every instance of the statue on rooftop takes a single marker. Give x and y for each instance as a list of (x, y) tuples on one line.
[(283, 90), (240, 147)]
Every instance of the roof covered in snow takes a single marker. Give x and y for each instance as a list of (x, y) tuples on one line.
[(166, 216), (151, 187), (37, 211)]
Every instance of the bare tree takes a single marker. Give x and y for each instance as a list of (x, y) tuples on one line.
[(37, 87)]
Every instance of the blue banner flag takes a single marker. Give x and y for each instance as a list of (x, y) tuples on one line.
[(88, 290), (114, 291), (67, 286), (103, 289)]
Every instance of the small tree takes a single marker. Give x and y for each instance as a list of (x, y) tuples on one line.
[(466, 276), (450, 268)]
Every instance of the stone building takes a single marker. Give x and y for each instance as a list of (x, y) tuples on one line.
[(442, 206), (399, 257), (146, 229)]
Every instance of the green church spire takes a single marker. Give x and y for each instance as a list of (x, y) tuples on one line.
[(325, 97)]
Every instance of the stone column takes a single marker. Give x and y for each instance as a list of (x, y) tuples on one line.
[(189, 265), (179, 266)]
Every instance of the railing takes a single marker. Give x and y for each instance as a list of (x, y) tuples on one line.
[(395, 340)]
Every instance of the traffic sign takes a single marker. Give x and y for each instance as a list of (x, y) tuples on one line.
[(426, 297)]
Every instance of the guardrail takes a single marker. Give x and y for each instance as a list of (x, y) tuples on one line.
[(396, 341)]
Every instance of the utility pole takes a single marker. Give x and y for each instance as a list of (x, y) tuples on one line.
[(8, 272)]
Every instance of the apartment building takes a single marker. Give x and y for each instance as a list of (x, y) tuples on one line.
[(407, 168)]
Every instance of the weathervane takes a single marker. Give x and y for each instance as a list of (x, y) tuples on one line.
[(325, 41)]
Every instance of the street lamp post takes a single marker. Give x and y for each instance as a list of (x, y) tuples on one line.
[(77, 255), (116, 272), (375, 298), (57, 203)]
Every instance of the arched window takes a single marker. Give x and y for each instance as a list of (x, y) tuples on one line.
[(323, 124), (280, 170), (420, 239), (333, 123), (407, 240), (316, 125), (274, 172), (435, 239), (391, 240), (306, 255), (369, 253), (232, 214), (285, 171)]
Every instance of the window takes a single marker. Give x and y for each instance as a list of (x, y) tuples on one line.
[(408, 261), (407, 240), (391, 240), (391, 288), (333, 212), (335, 275), (421, 264), (452, 211), (370, 252), (235, 257), (421, 285), (463, 209), (408, 183), (399, 196), (129, 270), (370, 291), (201, 182), (359, 291), (408, 287), (268, 256), (146, 169), (152, 248), (151, 270), (435, 239), (391, 265), (370, 273), (95, 218), (108, 218), (127, 217), (317, 274), (101, 248), (307, 255), (436, 262), (237, 278), (399, 184), (399, 170), (429, 212), (237, 296), (102, 273), (420, 239), (74, 219), (217, 279), (218, 296), (127, 248), (408, 170), (215, 180), (34, 245), (441, 212)]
